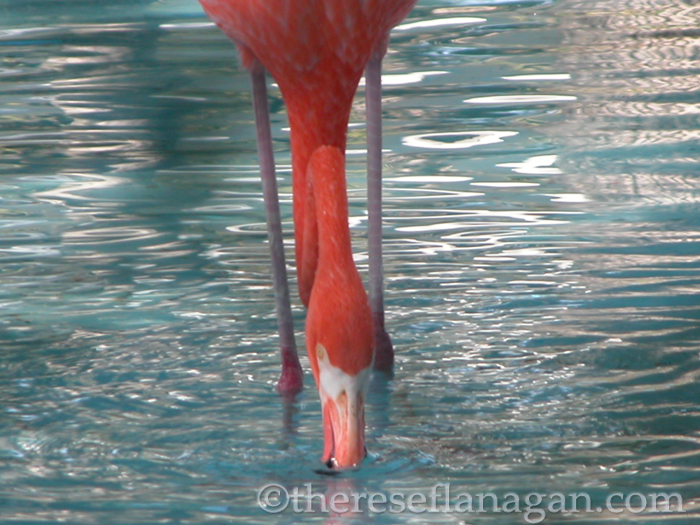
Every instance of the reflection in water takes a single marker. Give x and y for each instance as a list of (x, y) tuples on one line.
[(435, 23), (537, 165), (542, 255), (475, 138), (405, 78), (541, 77), (520, 99)]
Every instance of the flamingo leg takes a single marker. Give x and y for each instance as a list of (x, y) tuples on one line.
[(384, 352), (291, 381)]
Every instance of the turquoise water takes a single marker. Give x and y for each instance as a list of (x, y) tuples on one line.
[(542, 263)]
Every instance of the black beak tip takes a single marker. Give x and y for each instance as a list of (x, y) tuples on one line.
[(331, 468)]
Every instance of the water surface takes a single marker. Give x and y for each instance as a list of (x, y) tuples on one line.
[(542, 262)]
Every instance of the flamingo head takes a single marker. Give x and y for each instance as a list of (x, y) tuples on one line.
[(343, 399)]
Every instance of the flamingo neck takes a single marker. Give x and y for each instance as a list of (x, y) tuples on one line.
[(319, 110), (330, 200)]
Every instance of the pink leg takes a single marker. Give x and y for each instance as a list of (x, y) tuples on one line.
[(291, 381), (384, 357)]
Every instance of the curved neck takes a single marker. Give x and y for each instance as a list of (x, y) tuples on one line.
[(327, 173), (319, 109)]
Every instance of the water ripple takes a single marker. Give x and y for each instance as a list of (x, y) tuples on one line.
[(542, 260)]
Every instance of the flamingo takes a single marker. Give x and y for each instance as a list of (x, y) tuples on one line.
[(317, 50)]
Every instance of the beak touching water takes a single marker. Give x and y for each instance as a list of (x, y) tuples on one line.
[(343, 399)]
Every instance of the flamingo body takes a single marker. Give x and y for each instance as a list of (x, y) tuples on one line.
[(316, 50)]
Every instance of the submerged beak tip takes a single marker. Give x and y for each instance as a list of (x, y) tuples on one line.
[(331, 463)]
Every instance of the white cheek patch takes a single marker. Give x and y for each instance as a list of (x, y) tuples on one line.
[(333, 381)]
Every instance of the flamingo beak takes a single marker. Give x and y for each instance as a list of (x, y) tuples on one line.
[(344, 429), (343, 395)]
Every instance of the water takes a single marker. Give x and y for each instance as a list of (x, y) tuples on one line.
[(542, 262)]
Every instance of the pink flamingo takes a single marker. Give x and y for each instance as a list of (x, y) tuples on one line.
[(317, 50)]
